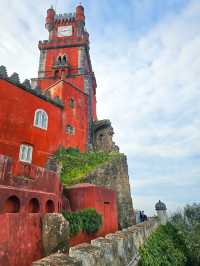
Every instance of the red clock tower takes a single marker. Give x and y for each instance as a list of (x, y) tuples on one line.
[(65, 56)]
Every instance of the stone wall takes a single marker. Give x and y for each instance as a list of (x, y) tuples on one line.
[(114, 175), (118, 249)]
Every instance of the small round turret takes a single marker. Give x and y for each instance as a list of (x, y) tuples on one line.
[(50, 19), (80, 16), (160, 206), (161, 212)]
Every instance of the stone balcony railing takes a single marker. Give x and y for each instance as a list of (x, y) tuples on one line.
[(28, 176)]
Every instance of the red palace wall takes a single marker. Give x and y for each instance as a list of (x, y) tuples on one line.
[(28, 190), (17, 110), (102, 199), (33, 190), (20, 239)]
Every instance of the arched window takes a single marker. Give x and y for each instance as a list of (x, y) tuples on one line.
[(72, 103), (25, 153), (59, 60), (34, 205), (50, 207), (41, 119), (64, 60), (12, 205)]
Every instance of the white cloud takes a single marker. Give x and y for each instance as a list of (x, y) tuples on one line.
[(150, 88), (151, 83)]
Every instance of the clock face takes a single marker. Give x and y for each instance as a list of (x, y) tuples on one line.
[(65, 31)]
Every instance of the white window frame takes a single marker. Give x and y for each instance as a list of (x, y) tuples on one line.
[(25, 153), (38, 122)]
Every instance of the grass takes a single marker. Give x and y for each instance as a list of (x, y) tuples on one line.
[(76, 165)]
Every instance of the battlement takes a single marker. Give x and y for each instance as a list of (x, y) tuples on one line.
[(66, 17), (26, 85), (29, 176)]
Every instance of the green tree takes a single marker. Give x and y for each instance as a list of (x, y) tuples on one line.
[(188, 225)]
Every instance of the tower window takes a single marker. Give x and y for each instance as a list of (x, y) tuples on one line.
[(25, 153), (41, 119), (72, 103), (59, 60), (64, 60), (70, 130)]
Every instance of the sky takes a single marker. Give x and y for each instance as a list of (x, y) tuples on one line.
[(146, 58)]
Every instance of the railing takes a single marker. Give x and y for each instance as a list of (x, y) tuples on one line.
[(20, 174)]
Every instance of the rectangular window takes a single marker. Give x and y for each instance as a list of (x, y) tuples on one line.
[(25, 154), (70, 130)]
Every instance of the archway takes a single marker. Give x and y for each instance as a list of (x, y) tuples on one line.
[(34, 206), (50, 207), (12, 205)]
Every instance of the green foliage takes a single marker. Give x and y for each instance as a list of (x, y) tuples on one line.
[(86, 220), (75, 222), (75, 165), (188, 225), (162, 249), (91, 220), (177, 243)]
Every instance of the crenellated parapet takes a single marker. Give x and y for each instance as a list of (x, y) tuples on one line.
[(69, 25), (3, 72), (119, 249), (26, 85), (63, 18), (14, 78)]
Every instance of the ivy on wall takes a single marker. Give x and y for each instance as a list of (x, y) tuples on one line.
[(75, 165)]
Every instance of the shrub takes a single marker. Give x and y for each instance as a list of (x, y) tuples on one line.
[(161, 249), (75, 223), (86, 220), (91, 220)]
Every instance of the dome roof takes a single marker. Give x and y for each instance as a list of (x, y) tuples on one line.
[(160, 206)]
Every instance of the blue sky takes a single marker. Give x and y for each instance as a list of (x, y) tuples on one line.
[(145, 54)]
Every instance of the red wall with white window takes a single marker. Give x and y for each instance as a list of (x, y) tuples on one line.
[(17, 111)]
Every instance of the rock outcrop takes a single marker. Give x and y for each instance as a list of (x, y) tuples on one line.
[(55, 233), (114, 175), (103, 136)]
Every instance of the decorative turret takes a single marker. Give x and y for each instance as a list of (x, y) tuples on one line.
[(3, 72), (160, 206), (50, 19), (80, 16), (15, 78), (161, 211), (27, 84)]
